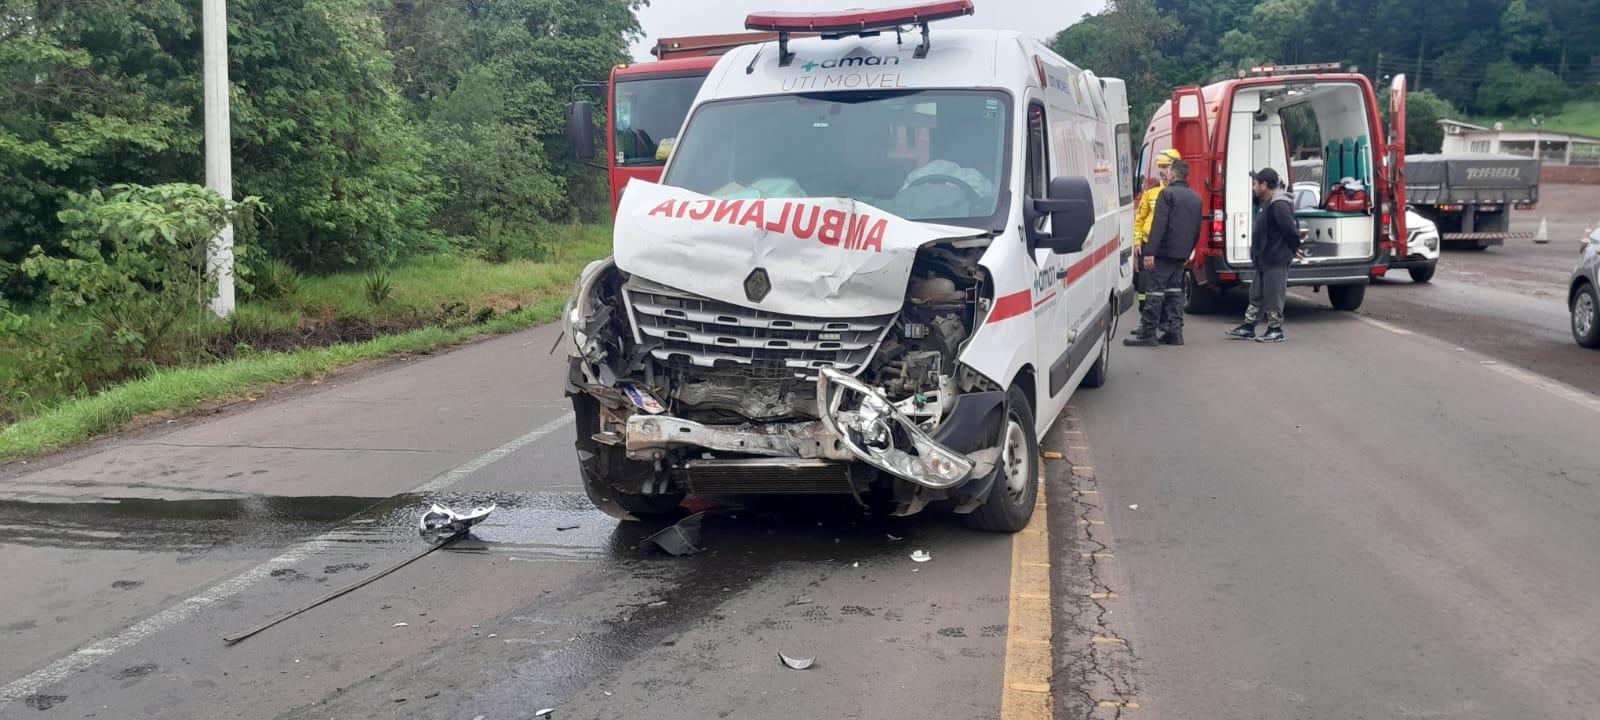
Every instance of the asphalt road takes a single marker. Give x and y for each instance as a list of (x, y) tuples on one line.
[(137, 556), (1392, 515)]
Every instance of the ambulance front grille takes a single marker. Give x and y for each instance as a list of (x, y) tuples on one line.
[(689, 332)]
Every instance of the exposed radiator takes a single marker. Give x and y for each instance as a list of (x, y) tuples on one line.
[(766, 475)]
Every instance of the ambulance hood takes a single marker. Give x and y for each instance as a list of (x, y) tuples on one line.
[(816, 257)]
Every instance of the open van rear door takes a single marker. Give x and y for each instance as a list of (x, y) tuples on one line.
[(1394, 165), (1190, 136)]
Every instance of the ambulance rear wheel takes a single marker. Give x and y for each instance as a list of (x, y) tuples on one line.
[(1346, 297), (1422, 274), (1101, 369), (1016, 483), (1198, 300)]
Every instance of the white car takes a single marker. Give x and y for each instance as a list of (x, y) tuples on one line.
[(1422, 236)]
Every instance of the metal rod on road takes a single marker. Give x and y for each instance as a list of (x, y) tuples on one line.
[(236, 637), (219, 158)]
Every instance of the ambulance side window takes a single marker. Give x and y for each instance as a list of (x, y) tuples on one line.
[(1038, 170), (1124, 166)]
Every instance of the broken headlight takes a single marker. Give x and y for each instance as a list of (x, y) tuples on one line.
[(876, 432)]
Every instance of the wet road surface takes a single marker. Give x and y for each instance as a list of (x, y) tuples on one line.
[(143, 553), (1397, 520)]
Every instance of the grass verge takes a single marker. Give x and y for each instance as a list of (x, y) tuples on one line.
[(183, 389)]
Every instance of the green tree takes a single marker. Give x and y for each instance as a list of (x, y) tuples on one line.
[(90, 95), (1512, 90), (321, 132), (1424, 110), (1130, 39)]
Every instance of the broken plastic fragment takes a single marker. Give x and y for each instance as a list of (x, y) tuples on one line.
[(682, 538), (1134, 506), (400, 625), (545, 712), (796, 663), (564, 528), (920, 556), (895, 538), (441, 522), (1051, 455)]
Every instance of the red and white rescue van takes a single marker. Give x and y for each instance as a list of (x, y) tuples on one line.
[(878, 264), (1228, 129)]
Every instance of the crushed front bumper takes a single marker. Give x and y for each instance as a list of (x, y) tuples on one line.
[(858, 424)]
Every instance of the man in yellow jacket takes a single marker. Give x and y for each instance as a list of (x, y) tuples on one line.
[(1145, 215)]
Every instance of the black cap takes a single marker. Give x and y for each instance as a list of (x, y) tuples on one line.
[(1268, 176)]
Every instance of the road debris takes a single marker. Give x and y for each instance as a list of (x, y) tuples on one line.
[(1134, 506), (682, 538), (1052, 455), (446, 526), (564, 528), (545, 712), (440, 521), (920, 556), (895, 538), (400, 625), (797, 663), (800, 600)]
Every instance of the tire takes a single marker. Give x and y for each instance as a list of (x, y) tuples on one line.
[(1198, 300), (1010, 503), (605, 467), (1422, 274), (1101, 369), (1346, 297), (1586, 316)]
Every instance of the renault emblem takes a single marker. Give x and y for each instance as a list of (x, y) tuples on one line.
[(757, 285)]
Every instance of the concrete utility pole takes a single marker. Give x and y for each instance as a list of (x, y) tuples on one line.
[(219, 150)]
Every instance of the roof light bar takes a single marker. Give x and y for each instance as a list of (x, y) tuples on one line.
[(1264, 70), (855, 22)]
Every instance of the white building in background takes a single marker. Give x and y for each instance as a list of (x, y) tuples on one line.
[(1554, 148)]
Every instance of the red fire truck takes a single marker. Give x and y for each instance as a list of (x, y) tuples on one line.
[(646, 103)]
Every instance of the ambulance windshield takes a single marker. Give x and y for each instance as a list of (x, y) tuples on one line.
[(922, 155)]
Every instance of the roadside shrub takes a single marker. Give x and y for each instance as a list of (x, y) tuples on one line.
[(378, 286), (500, 242), (274, 279), (130, 289)]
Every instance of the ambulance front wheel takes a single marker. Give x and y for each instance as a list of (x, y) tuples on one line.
[(1009, 506), (606, 469)]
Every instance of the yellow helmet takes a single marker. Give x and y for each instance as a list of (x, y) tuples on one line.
[(1166, 157)]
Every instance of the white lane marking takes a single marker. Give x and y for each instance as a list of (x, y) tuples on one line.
[(1561, 390), (455, 475), (1381, 325), (85, 657)]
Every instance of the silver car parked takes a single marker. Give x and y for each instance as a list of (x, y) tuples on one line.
[(1583, 294)]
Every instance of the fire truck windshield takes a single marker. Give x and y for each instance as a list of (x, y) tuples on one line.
[(922, 155), (648, 113)]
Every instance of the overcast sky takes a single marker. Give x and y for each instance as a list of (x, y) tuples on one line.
[(671, 18)]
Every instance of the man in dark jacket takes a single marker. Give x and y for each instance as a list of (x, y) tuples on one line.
[(1274, 243), (1173, 233)]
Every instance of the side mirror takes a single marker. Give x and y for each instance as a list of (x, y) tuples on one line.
[(580, 129), (1071, 210)]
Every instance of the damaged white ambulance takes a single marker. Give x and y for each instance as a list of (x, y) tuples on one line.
[(879, 262)]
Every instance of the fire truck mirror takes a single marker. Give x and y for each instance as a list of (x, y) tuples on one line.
[(580, 129)]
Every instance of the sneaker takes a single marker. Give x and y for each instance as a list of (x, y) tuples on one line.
[(1171, 339), (1246, 331), (1272, 335), (1140, 341)]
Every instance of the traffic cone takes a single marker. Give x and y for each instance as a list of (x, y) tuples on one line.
[(1543, 236)]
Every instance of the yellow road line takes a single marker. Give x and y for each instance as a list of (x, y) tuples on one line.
[(1025, 693)]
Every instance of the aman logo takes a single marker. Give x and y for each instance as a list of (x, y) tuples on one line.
[(852, 61)]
